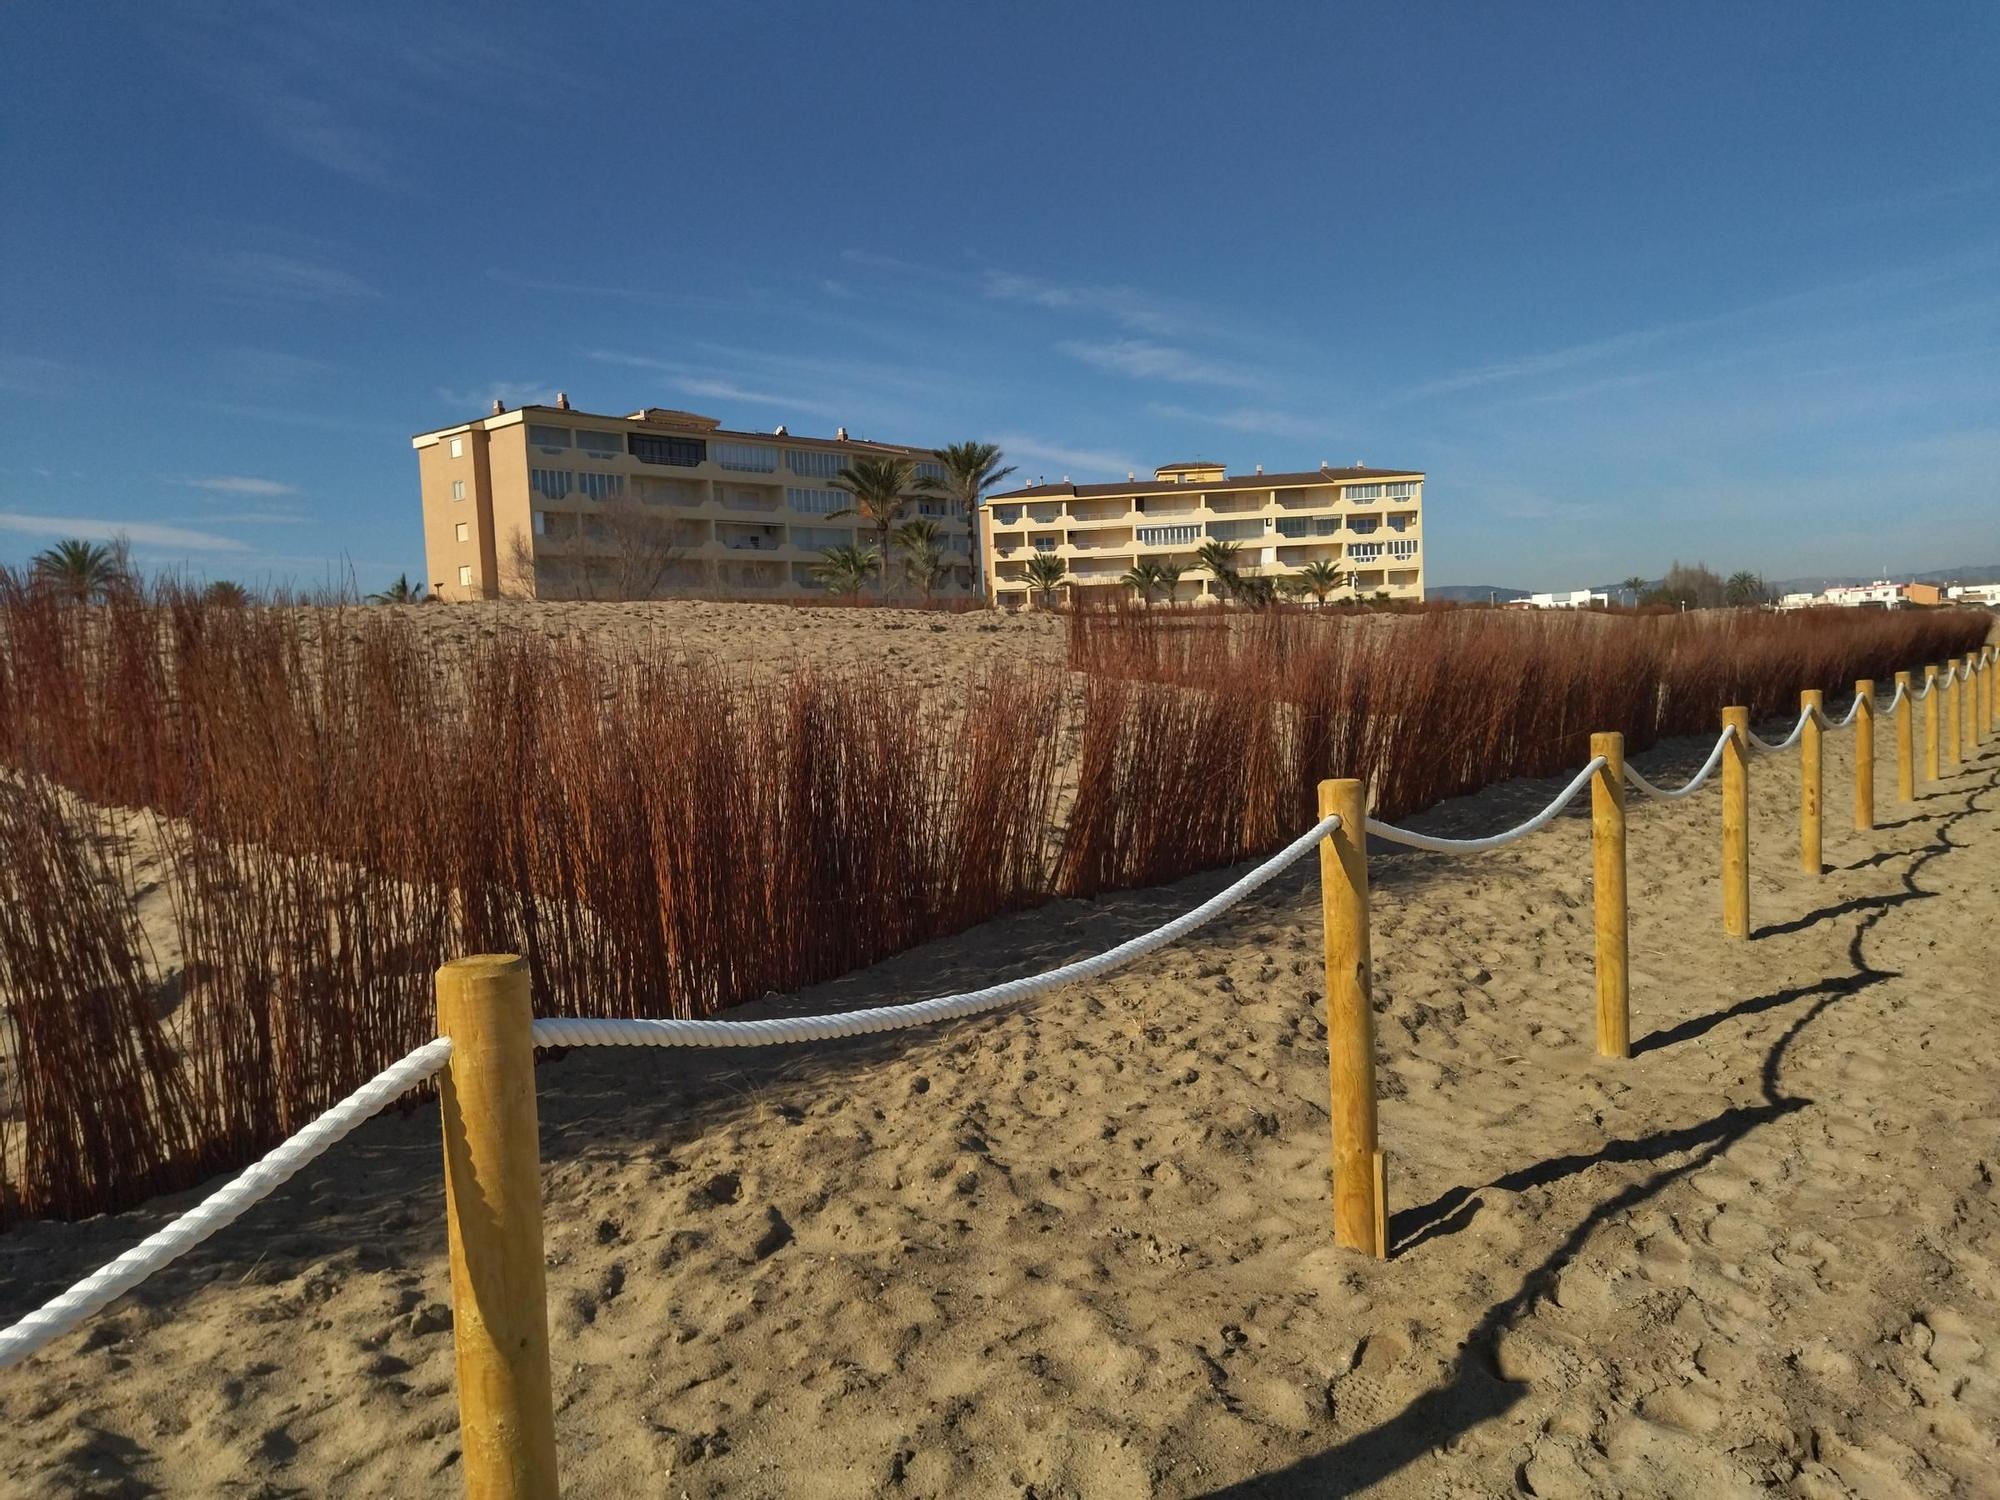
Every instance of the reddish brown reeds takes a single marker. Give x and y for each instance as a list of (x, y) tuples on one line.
[(336, 803)]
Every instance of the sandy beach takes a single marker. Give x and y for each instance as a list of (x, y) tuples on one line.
[(1083, 1248)]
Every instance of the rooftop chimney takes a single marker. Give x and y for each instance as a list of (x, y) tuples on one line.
[(840, 433), (779, 431), (1260, 468), (499, 407), (1130, 476), (562, 400)]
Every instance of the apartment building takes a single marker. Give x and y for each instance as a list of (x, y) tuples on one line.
[(1367, 522), (547, 502)]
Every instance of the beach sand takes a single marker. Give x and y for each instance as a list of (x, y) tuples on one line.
[(1084, 1248)]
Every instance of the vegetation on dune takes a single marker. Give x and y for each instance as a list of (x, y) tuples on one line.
[(884, 489), (339, 800)]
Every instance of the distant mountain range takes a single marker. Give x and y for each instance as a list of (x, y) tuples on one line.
[(1500, 593)]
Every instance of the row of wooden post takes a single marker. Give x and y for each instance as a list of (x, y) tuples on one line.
[(492, 1159), (1360, 1207)]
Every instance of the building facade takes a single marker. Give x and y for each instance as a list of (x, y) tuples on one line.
[(1367, 522), (546, 502), (1570, 599)]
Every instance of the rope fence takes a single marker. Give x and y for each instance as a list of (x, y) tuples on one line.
[(484, 1055)]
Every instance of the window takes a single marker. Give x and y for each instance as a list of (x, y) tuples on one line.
[(458, 447), (929, 469), (602, 486), (551, 484), (465, 575), (1167, 536), (1006, 515), (1294, 526), (555, 524), (683, 452), (1363, 527), (458, 489), (815, 463), (462, 532), (1364, 491), (1404, 490), (1402, 551), (938, 508), (1364, 551), (549, 437), (754, 458), (600, 444), (818, 502), (1325, 525)]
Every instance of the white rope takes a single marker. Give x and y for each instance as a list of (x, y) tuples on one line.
[(1805, 716), (1473, 846), (1902, 692), (219, 1209), (566, 1031), (1695, 783)]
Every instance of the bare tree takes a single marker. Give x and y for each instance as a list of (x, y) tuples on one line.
[(517, 568)]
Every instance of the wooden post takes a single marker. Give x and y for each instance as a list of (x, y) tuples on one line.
[(1736, 824), (1993, 688), (493, 1204), (1982, 700), (1864, 755), (1933, 752), (1812, 781), (1954, 703), (1906, 742), (1360, 1218), (1607, 852)]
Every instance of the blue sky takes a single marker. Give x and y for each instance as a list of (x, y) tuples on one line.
[(1629, 283)]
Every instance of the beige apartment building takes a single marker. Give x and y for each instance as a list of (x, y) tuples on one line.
[(1367, 522), (547, 502)]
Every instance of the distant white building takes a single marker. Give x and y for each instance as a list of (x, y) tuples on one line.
[(1975, 593), (1798, 601), (1881, 595), (1574, 599)]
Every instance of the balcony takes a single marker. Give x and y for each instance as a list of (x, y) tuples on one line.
[(1098, 512), (1005, 515), (1151, 506), (1242, 504), (749, 497), (1048, 510), (1092, 541), (1235, 531), (740, 536), (1304, 526), (1169, 536)]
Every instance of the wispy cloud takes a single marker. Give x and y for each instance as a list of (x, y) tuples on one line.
[(241, 484), (271, 276), (31, 375), (140, 533), (1122, 304), (1246, 419), (1075, 461), (1143, 359), (725, 390), (511, 392), (300, 117)]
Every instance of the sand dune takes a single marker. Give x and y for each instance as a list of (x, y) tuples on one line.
[(1084, 1248)]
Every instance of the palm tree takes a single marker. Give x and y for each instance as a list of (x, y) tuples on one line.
[(922, 545), (1744, 588), (1170, 577), (845, 570), (1321, 577), (1293, 588), (970, 470), (402, 591), (1255, 589), (1220, 560), (80, 571), (1046, 574), (883, 491), (1143, 578), (1635, 586), (224, 594)]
